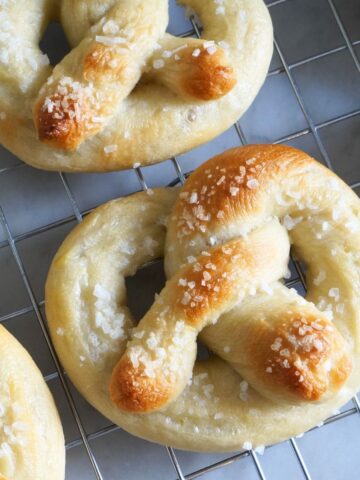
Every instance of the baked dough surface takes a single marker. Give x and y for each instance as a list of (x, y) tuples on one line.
[(31, 436), (90, 323), (152, 123)]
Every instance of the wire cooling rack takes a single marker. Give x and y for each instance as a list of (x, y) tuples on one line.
[(311, 99)]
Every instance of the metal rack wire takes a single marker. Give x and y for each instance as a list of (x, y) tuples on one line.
[(35, 306)]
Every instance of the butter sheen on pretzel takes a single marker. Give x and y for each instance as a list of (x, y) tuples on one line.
[(128, 92), (282, 363)]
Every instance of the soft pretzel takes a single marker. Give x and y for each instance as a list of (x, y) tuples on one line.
[(127, 93), (283, 363), (31, 437)]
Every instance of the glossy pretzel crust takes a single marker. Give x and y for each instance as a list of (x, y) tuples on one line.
[(128, 92), (31, 436), (281, 365)]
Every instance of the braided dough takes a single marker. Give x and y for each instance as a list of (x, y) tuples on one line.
[(282, 364), (128, 92), (31, 437)]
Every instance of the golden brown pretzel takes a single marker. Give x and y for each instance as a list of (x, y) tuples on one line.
[(288, 353), (282, 363), (127, 92)]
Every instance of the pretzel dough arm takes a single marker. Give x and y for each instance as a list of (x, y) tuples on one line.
[(155, 368), (23, 66), (87, 86), (282, 345), (192, 68)]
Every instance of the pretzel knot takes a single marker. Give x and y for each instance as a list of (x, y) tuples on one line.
[(227, 247), (128, 91)]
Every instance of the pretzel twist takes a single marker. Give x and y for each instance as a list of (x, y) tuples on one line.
[(291, 352), (282, 362), (127, 88)]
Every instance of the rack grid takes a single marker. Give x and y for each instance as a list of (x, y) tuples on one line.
[(89, 465)]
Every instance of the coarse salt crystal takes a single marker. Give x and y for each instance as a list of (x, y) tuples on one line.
[(110, 27), (325, 226), (286, 364), (159, 63), (335, 214), (196, 52), (109, 40), (60, 331), (193, 197), (320, 278), (186, 298), (265, 287), (220, 10), (260, 449), (252, 183), (101, 292), (334, 293), (206, 276), (139, 335), (136, 165), (211, 50), (110, 148), (247, 445), (277, 344), (340, 307), (208, 389), (285, 352), (244, 386), (218, 416), (234, 191), (351, 225), (289, 222)]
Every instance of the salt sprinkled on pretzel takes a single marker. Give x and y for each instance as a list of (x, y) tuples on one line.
[(126, 84), (282, 362)]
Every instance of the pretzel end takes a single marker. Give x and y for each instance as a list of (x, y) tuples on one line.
[(57, 129), (196, 71), (309, 359), (209, 76), (133, 391)]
